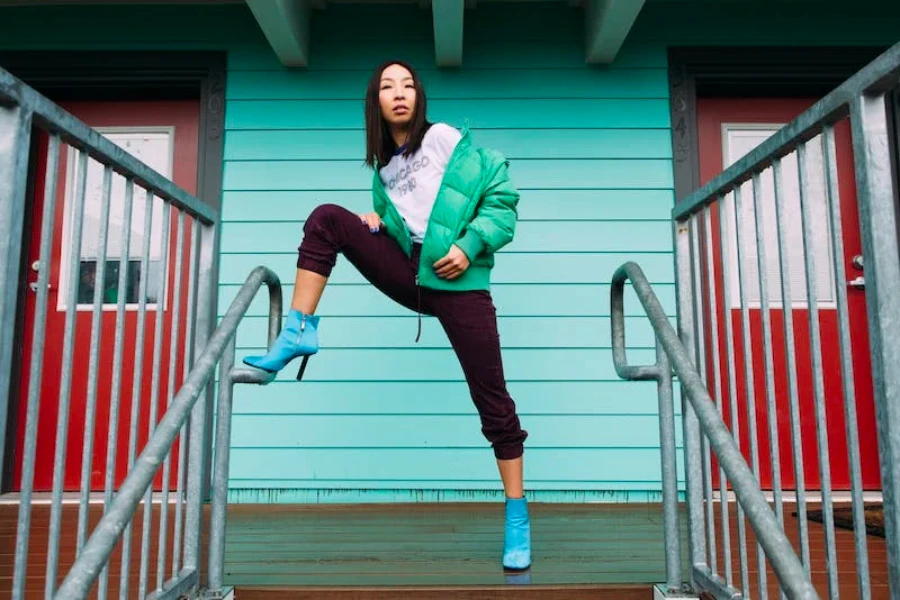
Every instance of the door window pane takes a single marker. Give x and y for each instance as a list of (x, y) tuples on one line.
[(737, 141), (152, 146)]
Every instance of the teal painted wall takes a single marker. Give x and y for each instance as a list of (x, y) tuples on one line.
[(591, 154), (381, 418)]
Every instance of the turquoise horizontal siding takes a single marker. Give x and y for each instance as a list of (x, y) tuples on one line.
[(489, 113), (455, 85), (515, 332), (439, 468), (516, 143), (399, 398), (515, 267), (519, 300), (536, 205), (546, 173), (531, 236), (435, 431)]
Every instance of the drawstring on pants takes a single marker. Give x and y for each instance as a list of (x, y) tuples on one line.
[(418, 308)]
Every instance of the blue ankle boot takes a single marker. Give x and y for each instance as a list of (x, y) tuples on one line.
[(517, 539), (298, 338)]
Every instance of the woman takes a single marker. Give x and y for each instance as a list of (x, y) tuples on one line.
[(442, 209)]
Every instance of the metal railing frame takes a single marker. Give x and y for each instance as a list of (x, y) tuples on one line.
[(220, 351), (698, 407), (865, 98), (22, 111)]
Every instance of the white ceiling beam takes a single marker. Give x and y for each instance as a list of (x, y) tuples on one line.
[(448, 31), (285, 24), (607, 25)]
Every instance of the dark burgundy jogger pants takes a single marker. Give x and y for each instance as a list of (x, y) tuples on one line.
[(468, 318)]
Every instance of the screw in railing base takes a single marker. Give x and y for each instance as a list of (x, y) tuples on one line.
[(662, 592), (226, 593)]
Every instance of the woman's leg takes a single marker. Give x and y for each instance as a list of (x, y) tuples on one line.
[(470, 321), (511, 474), (331, 230), (308, 288)]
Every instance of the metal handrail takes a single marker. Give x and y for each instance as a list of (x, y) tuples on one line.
[(788, 568), (102, 541)]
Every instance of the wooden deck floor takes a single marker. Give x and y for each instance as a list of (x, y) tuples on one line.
[(273, 551)]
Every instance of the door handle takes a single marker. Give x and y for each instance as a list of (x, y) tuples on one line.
[(858, 282)]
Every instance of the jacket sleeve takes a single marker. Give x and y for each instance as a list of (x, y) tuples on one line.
[(494, 223)]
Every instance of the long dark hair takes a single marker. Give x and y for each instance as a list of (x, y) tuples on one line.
[(380, 145)]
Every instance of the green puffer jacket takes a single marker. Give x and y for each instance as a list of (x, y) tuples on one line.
[(475, 209)]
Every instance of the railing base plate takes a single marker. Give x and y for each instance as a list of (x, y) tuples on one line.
[(660, 592)]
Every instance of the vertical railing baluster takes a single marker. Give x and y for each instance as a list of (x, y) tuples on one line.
[(137, 381), (112, 437), (876, 182), (700, 336), (90, 420), (725, 257), (790, 359), (170, 393), (717, 380), (856, 485), (16, 124), (687, 332), (65, 388), (768, 357), (36, 370), (186, 367), (161, 286), (748, 374), (199, 442), (815, 342)]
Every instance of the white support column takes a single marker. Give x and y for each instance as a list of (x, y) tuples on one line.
[(607, 25), (285, 24)]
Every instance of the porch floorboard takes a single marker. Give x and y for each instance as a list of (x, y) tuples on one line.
[(378, 551)]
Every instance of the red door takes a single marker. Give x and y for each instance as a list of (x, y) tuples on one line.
[(728, 129), (165, 136)]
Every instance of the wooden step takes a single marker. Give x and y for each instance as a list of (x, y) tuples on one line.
[(511, 592)]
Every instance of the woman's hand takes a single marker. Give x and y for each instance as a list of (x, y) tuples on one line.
[(373, 221), (453, 265)]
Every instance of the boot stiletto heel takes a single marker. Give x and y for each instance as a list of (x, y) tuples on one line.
[(302, 367), (298, 338)]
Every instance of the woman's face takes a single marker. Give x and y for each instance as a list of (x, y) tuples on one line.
[(397, 96)]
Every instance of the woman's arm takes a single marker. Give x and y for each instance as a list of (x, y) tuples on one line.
[(494, 223)]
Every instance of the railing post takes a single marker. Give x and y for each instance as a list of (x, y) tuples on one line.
[(199, 436), (693, 460), (661, 372), (15, 145), (671, 521), (220, 471), (877, 196)]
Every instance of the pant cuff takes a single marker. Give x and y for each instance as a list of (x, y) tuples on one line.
[(509, 452), (310, 264)]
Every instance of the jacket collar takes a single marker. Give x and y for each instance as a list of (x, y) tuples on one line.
[(462, 146)]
